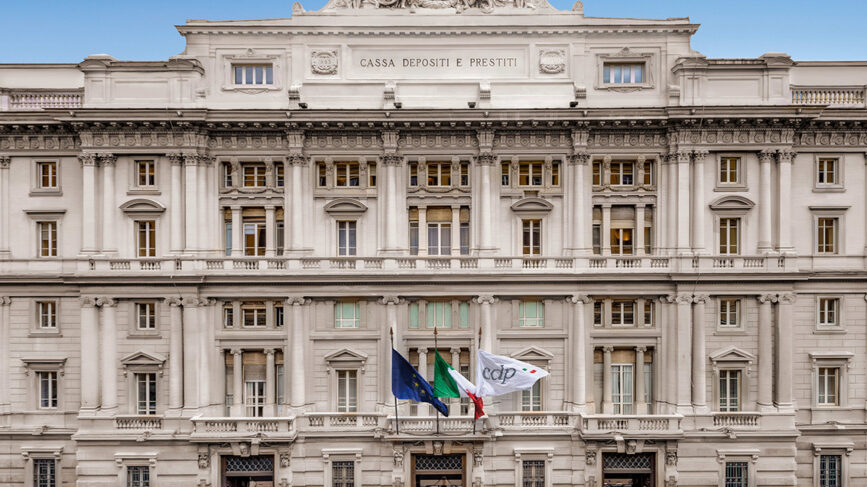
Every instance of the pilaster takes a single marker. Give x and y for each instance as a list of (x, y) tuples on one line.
[(176, 215), (579, 345), (5, 162), (89, 355), (5, 400), (109, 209), (784, 218), (298, 341), (765, 159), (176, 355), (766, 352), (89, 164), (699, 204), (699, 354)]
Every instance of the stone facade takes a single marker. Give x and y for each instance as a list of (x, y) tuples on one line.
[(204, 261)]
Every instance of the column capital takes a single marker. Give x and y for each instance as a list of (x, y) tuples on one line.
[(684, 156), (486, 139), (578, 298), (107, 159), (641, 349), (269, 351), (88, 159), (174, 301), (5, 160), (700, 299), (390, 299), (486, 159), (297, 300), (578, 159), (175, 158), (608, 348), (700, 155), (486, 299), (767, 155), (106, 302), (787, 156), (392, 159), (422, 350), (680, 298), (767, 298), (787, 298), (5, 300), (297, 159), (236, 351), (191, 159), (89, 302), (454, 350), (193, 301)]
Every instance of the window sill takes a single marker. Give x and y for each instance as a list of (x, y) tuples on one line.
[(44, 334), (731, 189), (829, 189), (144, 335), (837, 330), (732, 332), (252, 89), (142, 191), (46, 192), (625, 87)]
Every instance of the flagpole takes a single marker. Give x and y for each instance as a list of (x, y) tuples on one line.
[(474, 404), (435, 354), (396, 418)]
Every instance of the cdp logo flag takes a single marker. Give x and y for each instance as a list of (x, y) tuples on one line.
[(497, 375)]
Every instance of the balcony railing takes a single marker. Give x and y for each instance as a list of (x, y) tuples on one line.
[(138, 423), (427, 425), (342, 421), (736, 420), (274, 427), (530, 421), (29, 100), (636, 425), (839, 96)]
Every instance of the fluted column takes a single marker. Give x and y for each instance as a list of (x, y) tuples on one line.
[(684, 350), (5, 161), (577, 222), (109, 363), (456, 364), (191, 202), (579, 344), (176, 354), (640, 403), (299, 345), (176, 212), (765, 159), (270, 228), (238, 382), (89, 354), (486, 220), (766, 350), (88, 205), (698, 203), (191, 352), (699, 354), (109, 210), (607, 404), (785, 331), (638, 238), (296, 206), (270, 383), (423, 408), (784, 219), (5, 400), (683, 160)]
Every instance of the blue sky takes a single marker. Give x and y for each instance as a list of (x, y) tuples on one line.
[(69, 30)]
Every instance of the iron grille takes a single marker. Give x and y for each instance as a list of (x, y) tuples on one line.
[(343, 474), (262, 463), (534, 473), (44, 472), (737, 474), (830, 471), (639, 462), (443, 462), (138, 476)]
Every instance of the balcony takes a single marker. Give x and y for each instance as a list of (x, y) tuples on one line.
[(347, 423), (833, 96), (606, 426), (216, 429), (138, 423), (533, 422), (421, 426), (35, 100)]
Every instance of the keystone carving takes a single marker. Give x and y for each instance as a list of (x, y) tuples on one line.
[(204, 460)]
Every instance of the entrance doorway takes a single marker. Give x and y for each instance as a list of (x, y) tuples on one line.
[(252, 471), (439, 470), (620, 470)]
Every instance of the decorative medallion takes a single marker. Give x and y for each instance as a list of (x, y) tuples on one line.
[(552, 61), (324, 61)]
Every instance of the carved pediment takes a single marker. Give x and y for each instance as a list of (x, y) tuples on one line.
[(732, 202), (142, 360), (345, 207), (142, 206), (346, 358), (731, 355), (532, 206), (533, 354)]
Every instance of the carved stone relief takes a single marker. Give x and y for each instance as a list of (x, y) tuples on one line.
[(552, 61), (323, 61)]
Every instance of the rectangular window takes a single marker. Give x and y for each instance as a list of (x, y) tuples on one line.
[(530, 174), (278, 316), (597, 313), (254, 238), (47, 314), (439, 314), (531, 314), (622, 174), (504, 174), (147, 238), (555, 174), (146, 171), (649, 308), (465, 238), (531, 399), (533, 473), (254, 398), (622, 313), (829, 386), (597, 239), (228, 316), (830, 471), (532, 237), (346, 174), (737, 474), (413, 315), (826, 235), (343, 474), (253, 313), (413, 238), (47, 389), (322, 179), (347, 315), (253, 74), (464, 315), (227, 175), (623, 73), (138, 476), (597, 174), (828, 312), (47, 238), (44, 472), (346, 238), (254, 175), (827, 172), (371, 174), (729, 170), (347, 391), (465, 174), (729, 390), (413, 174), (621, 388), (729, 313), (729, 236), (648, 173), (279, 175), (47, 174), (621, 241), (146, 316), (439, 238), (439, 174), (146, 393)]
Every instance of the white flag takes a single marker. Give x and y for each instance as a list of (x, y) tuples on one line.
[(497, 375)]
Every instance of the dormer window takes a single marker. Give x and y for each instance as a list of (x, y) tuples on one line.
[(253, 74)]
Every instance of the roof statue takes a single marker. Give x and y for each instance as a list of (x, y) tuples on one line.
[(485, 6)]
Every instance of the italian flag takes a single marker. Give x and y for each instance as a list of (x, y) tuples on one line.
[(448, 382)]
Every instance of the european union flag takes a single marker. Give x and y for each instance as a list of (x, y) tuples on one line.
[(406, 383)]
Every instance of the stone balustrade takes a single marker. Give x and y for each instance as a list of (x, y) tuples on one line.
[(30, 100), (208, 429), (738, 419), (531, 421), (604, 425), (343, 421), (138, 423), (840, 96)]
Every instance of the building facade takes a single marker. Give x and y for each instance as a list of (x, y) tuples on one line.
[(205, 261)]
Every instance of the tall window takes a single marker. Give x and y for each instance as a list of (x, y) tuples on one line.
[(729, 390), (322, 175), (439, 174), (47, 174), (347, 315), (228, 316), (597, 174), (729, 313), (623, 73), (649, 308), (621, 241), (729, 170), (254, 238), (279, 175), (146, 173), (829, 386), (146, 316), (439, 238), (47, 314), (253, 74), (829, 311), (147, 238), (278, 315), (254, 175), (347, 391), (346, 238), (465, 174), (504, 174), (622, 173), (343, 474), (531, 314), (648, 173), (729, 236), (826, 235), (737, 474), (47, 238), (530, 174), (253, 313), (47, 389), (533, 473), (138, 476), (555, 174), (830, 471), (254, 398), (227, 175), (371, 174), (44, 472), (827, 172), (146, 393), (621, 388), (622, 313), (346, 174), (439, 314), (532, 237), (531, 399)]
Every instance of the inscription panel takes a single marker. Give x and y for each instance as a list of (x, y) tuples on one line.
[(438, 63)]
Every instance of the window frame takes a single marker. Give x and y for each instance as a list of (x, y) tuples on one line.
[(839, 184), (843, 449), (32, 368), (531, 165), (841, 361), (257, 311), (748, 456), (154, 234), (331, 455), (148, 411), (838, 313), (544, 454), (233, 62), (721, 395), (738, 312), (739, 228), (36, 187), (136, 183), (52, 249), (31, 454), (839, 214), (337, 378), (533, 245), (622, 405), (336, 168), (740, 183), (622, 173), (351, 229), (125, 460), (538, 319), (357, 319), (621, 57), (135, 321), (38, 308), (255, 176)]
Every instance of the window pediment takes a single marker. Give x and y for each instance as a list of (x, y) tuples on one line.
[(533, 354), (532, 207), (141, 206), (732, 203), (732, 355), (44, 364), (346, 359), (141, 360), (831, 357), (345, 207)]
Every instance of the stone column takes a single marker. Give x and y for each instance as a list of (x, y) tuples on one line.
[(456, 230), (684, 351), (422, 230), (392, 163), (784, 219), (670, 222), (237, 232), (699, 353), (108, 363), (485, 301), (299, 345), (109, 211), (577, 222), (88, 208), (423, 408), (191, 352), (392, 335), (785, 331), (89, 355), (485, 161), (607, 405), (579, 344), (683, 159), (191, 202), (296, 214), (5, 161), (765, 159), (270, 227), (270, 388), (203, 205), (456, 364), (606, 229), (638, 238), (205, 367), (766, 351), (176, 214), (238, 382), (5, 400), (698, 203), (176, 354), (640, 403)]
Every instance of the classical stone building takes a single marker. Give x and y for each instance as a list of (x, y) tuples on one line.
[(203, 260)]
